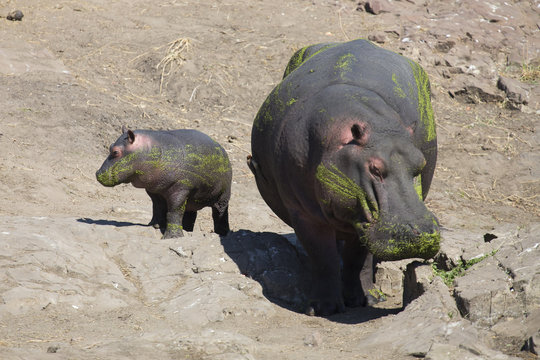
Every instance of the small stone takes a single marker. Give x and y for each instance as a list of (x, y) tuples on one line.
[(52, 349), (516, 92), (376, 7), (378, 37), (445, 46), (15, 15), (314, 339)]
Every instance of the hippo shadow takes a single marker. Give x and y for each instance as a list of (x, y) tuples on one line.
[(108, 222), (282, 268)]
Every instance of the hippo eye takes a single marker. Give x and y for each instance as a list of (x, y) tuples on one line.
[(115, 153)]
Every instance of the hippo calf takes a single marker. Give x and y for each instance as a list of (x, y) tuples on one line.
[(182, 172), (343, 151)]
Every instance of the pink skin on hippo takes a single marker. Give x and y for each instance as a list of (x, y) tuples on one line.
[(182, 171), (344, 150)]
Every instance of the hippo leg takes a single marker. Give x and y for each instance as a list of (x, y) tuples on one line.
[(367, 278), (159, 211), (358, 266), (188, 221), (220, 215), (354, 256), (319, 241), (176, 206)]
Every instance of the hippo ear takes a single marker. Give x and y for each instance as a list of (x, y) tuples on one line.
[(357, 132), (131, 136), (124, 129)]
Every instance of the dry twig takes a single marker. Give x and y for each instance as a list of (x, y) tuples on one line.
[(173, 59)]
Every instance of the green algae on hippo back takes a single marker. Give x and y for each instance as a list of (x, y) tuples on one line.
[(343, 150), (182, 171)]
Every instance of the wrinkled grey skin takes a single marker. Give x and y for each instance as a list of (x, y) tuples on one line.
[(182, 171), (336, 149)]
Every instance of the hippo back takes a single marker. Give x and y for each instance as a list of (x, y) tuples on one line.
[(391, 86)]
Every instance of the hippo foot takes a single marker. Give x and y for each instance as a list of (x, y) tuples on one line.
[(356, 301), (173, 233), (372, 300), (222, 231), (325, 308), (156, 224)]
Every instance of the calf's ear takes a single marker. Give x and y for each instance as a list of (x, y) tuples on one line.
[(124, 129), (131, 136)]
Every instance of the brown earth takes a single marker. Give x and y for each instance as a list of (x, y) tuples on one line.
[(72, 73)]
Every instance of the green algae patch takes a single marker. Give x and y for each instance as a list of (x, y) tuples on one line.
[(193, 162), (173, 230), (296, 60), (425, 111), (215, 163), (118, 171), (418, 186), (424, 246), (206, 167), (303, 55), (377, 294), (341, 189), (344, 65), (174, 227), (448, 276), (273, 105), (398, 90)]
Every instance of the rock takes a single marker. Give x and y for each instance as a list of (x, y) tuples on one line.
[(485, 294), (517, 93), (216, 344), (445, 46), (314, 339), (502, 292), (52, 349), (440, 351), (475, 90), (278, 265), (389, 277), (417, 279), (376, 7), (378, 37), (460, 245), (519, 333), (15, 15), (406, 333), (431, 327)]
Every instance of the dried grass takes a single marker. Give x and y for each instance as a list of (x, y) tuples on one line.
[(530, 74), (173, 59), (494, 196)]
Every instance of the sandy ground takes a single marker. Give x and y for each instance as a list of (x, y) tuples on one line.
[(72, 73)]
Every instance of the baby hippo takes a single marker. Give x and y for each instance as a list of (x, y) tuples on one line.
[(182, 172)]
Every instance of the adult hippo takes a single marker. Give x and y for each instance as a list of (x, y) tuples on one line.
[(343, 151)]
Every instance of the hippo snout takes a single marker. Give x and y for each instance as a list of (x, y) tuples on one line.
[(388, 239), (105, 177)]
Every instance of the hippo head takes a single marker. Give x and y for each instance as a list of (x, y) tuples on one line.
[(376, 187), (122, 164)]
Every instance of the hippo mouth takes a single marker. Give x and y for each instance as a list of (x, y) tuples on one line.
[(393, 241), (414, 233), (104, 178)]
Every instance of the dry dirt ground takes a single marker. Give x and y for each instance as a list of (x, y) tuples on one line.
[(73, 72)]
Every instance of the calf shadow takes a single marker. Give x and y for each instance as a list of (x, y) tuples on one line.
[(108, 222), (281, 266)]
